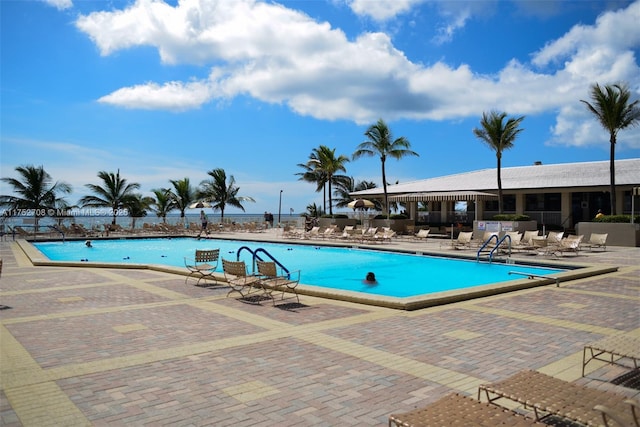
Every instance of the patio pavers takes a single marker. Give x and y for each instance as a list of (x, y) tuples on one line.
[(89, 346)]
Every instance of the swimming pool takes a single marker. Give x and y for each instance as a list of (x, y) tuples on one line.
[(398, 275)]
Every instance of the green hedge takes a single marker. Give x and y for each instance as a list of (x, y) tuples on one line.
[(511, 217), (618, 218), (335, 216), (392, 216)]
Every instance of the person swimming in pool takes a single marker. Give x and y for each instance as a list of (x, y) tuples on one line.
[(88, 244), (370, 279)]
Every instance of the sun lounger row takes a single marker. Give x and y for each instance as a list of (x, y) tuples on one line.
[(348, 234), (539, 394)]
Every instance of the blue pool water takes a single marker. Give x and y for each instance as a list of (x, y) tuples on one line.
[(398, 275)]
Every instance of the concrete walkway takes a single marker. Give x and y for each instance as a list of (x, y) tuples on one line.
[(105, 346)]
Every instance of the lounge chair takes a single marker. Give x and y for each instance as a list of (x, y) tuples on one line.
[(621, 346), (462, 242), (554, 237), (235, 273), (278, 281), (546, 395), (203, 265), (597, 241), (422, 234), (456, 409), (526, 242), (569, 244)]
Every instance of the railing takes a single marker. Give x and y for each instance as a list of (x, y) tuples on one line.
[(495, 248), (536, 276), (254, 255)]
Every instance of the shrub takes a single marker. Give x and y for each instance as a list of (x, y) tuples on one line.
[(334, 216), (618, 219), (392, 216), (511, 217)]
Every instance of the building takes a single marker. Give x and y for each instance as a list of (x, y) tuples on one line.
[(555, 195)]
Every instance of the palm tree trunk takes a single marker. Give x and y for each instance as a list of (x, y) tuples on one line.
[(499, 184), (612, 174), (384, 186), (330, 201)]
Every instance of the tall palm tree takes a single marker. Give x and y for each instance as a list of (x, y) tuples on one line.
[(499, 136), (614, 111), (324, 160), (164, 202), (220, 194), (380, 143), (36, 193), (183, 195), (115, 193)]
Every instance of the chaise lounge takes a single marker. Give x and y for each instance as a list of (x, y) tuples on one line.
[(547, 395), (456, 409), (621, 346)]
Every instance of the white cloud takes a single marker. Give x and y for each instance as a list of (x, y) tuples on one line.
[(60, 4), (281, 56), (175, 96), (382, 10)]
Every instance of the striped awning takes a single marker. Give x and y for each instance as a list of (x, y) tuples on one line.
[(453, 196)]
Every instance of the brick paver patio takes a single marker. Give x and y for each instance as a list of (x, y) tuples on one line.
[(111, 347)]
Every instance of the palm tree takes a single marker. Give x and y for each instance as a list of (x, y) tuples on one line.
[(499, 136), (313, 175), (217, 192), (346, 186), (380, 143), (36, 193), (613, 110), (183, 195), (115, 194), (164, 202), (323, 159), (137, 205)]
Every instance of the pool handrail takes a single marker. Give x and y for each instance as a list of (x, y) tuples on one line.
[(536, 276), (498, 242), (254, 255)]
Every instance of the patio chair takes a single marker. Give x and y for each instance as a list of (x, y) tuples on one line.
[(456, 409), (235, 273), (422, 234), (526, 242), (546, 395), (569, 244), (203, 265), (621, 346), (462, 242), (278, 281), (597, 241)]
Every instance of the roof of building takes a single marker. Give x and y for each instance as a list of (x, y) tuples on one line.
[(564, 175)]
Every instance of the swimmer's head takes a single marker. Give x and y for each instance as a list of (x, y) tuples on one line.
[(371, 277)]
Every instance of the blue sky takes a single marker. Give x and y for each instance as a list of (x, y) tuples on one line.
[(167, 90)]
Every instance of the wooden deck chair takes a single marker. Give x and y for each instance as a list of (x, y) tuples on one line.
[(235, 273), (456, 409), (203, 265), (546, 395), (597, 241), (276, 281), (616, 347)]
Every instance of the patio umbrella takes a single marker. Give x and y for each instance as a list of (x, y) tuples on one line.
[(199, 205), (361, 204)]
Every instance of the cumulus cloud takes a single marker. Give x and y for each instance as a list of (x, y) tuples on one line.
[(282, 56)]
